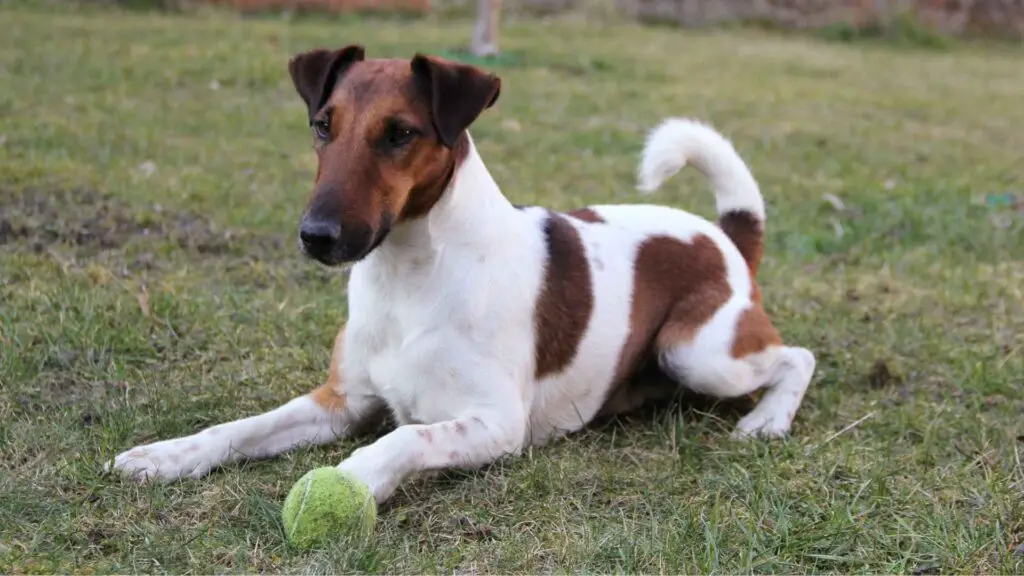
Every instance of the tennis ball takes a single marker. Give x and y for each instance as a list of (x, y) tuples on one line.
[(328, 505)]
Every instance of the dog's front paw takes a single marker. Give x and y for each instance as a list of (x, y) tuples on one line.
[(164, 461), (371, 474), (377, 467), (762, 423)]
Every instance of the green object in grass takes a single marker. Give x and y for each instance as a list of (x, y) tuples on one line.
[(500, 60), (326, 505)]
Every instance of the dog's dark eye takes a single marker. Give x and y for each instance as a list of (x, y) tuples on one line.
[(322, 129), (398, 135)]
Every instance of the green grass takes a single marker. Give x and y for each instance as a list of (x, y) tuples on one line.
[(143, 301)]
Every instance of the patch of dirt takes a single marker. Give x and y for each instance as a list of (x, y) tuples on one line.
[(471, 530), (90, 220), (45, 218), (55, 390), (882, 375)]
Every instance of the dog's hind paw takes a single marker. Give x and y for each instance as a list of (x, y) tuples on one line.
[(763, 424)]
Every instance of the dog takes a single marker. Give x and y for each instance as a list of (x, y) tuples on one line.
[(483, 327)]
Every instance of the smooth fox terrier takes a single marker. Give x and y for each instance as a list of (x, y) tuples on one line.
[(483, 327)]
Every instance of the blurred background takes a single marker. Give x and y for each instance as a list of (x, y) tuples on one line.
[(155, 160)]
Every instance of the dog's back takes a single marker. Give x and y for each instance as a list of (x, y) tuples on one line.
[(658, 277)]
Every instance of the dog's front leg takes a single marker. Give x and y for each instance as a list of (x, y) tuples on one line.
[(324, 415), (468, 441)]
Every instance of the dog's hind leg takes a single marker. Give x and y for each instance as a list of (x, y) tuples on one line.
[(735, 354), (788, 379), (331, 411)]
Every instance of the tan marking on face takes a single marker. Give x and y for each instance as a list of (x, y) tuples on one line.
[(587, 215), (677, 288), (754, 333), (566, 299), (371, 182), (438, 174), (330, 396)]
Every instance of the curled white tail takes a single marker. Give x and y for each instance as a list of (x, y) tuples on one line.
[(677, 142)]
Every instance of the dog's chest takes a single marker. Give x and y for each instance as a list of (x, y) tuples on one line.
[(395, 372), (409, 339), (390, 340)]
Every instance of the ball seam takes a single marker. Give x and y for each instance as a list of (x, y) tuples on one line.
[(302, 505)]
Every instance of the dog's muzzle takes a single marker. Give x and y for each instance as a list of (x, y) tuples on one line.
[(330, 243)]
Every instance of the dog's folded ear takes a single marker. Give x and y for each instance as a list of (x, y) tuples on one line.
[(315, 73), (458, 93)]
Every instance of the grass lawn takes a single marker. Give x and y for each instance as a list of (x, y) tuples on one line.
[(152, 171)]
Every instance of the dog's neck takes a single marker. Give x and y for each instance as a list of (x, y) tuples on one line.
[(471, 213)]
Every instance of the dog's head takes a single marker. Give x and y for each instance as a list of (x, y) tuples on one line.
[(388, 134)]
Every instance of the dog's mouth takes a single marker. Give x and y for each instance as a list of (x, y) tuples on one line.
[(378, 238)]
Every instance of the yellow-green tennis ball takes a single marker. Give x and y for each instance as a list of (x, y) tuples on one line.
[(328, 505)]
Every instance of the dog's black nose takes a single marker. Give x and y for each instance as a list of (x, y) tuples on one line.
[(319, 237)]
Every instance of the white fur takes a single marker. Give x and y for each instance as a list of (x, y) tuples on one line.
[(301, 421), (678, 141), (441, 331)]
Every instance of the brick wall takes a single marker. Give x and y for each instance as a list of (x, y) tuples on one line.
[(995, 17), (329, 5), (984, 17)]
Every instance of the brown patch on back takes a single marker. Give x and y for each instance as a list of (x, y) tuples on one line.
[(587, 215), (754, 333), (566, 300), (329, 395), (747, 232), (677, 288)]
